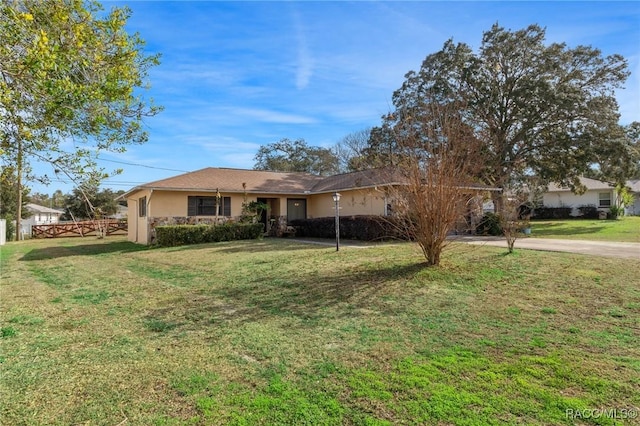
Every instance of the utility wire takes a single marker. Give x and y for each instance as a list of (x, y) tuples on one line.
[(143, 165)]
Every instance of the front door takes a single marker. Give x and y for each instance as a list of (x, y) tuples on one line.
[(296, 209)]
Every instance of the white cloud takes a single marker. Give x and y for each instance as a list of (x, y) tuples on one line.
[(304, 67)]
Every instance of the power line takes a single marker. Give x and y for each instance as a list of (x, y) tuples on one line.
[(144, 165), (108, 182)]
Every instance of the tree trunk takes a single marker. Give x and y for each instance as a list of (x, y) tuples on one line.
[(19, 187), (498, 202)]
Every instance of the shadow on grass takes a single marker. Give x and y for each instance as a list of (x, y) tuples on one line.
[(243, 246), (82, 250), (249, 246), (309, 297)]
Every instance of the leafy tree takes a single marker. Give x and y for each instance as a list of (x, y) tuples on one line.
[(621, 161), (68, 73), (538, 109), (40, 198), (9, 197), (57, 199), (89, 202), (296, 156)]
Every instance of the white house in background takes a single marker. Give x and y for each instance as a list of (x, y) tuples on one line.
[(599, 194), (634, 208), (40, 215)]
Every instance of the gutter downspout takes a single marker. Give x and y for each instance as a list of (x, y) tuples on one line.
[(148, 216), (136, 218)]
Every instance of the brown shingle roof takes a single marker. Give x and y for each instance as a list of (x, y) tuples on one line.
[(231, 180), (361, 179), (259, 181)]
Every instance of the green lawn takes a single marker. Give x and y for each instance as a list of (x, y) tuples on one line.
[(626, 229), (104, 332)]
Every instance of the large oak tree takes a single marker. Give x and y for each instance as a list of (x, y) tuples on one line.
[(296, 156), (70, 86), (539, 109)]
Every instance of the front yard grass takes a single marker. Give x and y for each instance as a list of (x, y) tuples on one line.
[(625, 229), (105, 332)]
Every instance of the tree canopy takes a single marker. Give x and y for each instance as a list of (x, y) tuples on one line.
[(89, 202), (70, 86), (539, 109), (621, 161), (296, 156)]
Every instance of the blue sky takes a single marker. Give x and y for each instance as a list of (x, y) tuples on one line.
[(238, 75)]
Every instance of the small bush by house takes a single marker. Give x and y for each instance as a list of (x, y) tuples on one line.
[(489, 225), (177, 235), (589, 212)]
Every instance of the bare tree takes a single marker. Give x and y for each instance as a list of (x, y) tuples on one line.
[(438, 160), (514, 218), (350, 151)]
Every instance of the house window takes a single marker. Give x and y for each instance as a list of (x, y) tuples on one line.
[(142, 207), (604, 199), (206, 206), (296, 209)]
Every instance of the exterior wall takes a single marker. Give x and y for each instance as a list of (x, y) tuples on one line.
[(164, 207), (137, 226), (352, 203), (569, 199), (45, 218)]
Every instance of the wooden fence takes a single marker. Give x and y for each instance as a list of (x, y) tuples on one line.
[(102, 227)]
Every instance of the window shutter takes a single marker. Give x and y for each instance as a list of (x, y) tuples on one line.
[(142, 207), (226, 206), (192, 206)]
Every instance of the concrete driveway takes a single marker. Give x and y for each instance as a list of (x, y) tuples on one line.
[(595, 248)]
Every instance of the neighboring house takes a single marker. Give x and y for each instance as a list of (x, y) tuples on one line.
[(192, 197), (634, 208), (599, 194), (40, 215)]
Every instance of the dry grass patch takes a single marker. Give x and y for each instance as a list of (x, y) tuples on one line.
[(277, 332)]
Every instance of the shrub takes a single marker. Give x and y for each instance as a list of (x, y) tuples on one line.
[(364, 228), (616, 212), (177, 235), (589, 212), (489, 225), (552, 213)]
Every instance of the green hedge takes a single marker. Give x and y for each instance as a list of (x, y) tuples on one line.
[(178, 235), (551, 213), (364, 228)]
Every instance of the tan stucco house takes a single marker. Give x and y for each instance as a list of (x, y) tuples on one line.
[(192, 197)]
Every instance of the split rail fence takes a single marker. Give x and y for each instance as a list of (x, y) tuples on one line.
[(102, 227)]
